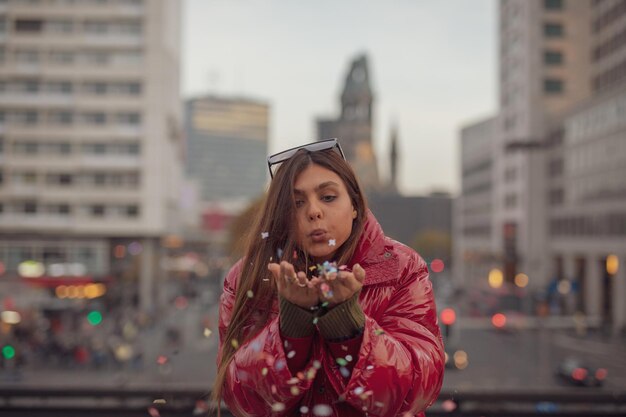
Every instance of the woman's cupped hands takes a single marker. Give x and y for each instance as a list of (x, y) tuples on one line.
[(332, 288)]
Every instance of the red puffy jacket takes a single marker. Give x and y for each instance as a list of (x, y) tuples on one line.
[(398, 362)]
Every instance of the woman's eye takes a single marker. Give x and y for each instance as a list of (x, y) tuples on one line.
[(299, 203), (328, 198)]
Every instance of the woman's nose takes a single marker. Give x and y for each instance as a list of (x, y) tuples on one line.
[(314, 212)]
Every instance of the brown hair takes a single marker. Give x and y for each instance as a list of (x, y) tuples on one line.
[(277, 217)]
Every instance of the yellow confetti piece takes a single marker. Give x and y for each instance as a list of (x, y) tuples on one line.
[(250, 294), (378, 332), (264, 371), (235, 343), (159, 401), (278, 407), (295, 390), (207, 332)]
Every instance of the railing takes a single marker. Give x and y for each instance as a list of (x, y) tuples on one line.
[(52, 402)]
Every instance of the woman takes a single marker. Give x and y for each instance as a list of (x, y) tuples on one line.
[(303, 335)]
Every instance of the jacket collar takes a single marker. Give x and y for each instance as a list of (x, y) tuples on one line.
[(375, 253)]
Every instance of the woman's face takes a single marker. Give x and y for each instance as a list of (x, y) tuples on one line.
[(324, 212)]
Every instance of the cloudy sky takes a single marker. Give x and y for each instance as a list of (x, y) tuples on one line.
[(432, 64)]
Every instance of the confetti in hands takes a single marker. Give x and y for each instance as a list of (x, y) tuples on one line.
[(331, 286), (337, 284)]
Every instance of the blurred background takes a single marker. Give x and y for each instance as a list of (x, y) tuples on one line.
[(489, 135)]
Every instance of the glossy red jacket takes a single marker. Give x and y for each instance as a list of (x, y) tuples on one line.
[(399, 369)]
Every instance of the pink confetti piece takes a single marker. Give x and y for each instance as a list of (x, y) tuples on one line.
[(162, 360), (153, 412)]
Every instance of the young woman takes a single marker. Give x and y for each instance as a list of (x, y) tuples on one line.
[(324, 315)]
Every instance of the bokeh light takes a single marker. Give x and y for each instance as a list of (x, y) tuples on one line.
[(94, 318), (612, 264), (496, 278), (521, 280), (437, 265), (498, 320)]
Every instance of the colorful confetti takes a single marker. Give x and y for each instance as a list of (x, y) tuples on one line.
[(159, 401), (153, 412), (234, 343), (295, 390), (344, 372), (207, 332), (322, 410), (341, 361), (264, 235), (369, 367), (264, 371), (331, 242), (291, 354), (250, 294), (349, 358), (278, 406), (304, 409)]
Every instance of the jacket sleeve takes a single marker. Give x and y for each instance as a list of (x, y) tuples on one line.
[(258, 381), (401, 360)]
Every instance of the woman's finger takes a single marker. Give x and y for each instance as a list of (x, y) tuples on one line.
[(359, 273)]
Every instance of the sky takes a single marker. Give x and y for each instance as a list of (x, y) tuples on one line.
[(432, 66)]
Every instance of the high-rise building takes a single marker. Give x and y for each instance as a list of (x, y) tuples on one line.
[(227, 143), (353, 128), (474, 243), (90, 138), (559, 212)]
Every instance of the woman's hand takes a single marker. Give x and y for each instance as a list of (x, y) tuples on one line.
[(339, 286), (293, 287)]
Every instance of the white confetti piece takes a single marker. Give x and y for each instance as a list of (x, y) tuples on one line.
[(278, 407), (322, 410), (291, 354), (304, 409), (331, 242), (264, 235), (250, 294)]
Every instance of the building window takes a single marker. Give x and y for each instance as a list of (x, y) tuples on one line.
[(556, 197), (132, 211), (94, 118), (553, 30), (553, 4), (553, 58), (61, 57), (28, 25), (132, 119), (97, 210), (95, 88), (552, 86), (29, 207), (61, 117), (27, 56)]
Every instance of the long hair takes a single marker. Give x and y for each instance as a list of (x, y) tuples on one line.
[(278, 219)]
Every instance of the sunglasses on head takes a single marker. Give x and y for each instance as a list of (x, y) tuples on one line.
[(273, 161)]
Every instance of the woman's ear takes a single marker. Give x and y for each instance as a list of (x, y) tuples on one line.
[(354, 213)]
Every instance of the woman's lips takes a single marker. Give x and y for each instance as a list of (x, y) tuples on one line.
[(319, 236)]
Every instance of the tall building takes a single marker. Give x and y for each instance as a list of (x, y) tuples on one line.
[(353, 128), (559, 213), (475, 244), (227, 143), (90, 138)]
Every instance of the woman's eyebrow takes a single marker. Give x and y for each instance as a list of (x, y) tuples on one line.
[(319, 187)]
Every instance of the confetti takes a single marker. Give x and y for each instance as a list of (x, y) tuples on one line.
[(378, 332), (250, 294), (344, 372), (278, 406), (293, 381), (331, 242), (159, 401), (280, 364), (343, 268), (315, 320), (153, 412), (264, 235), (344, 348), (291, 354), (312, 268), (295, 390), (162, 360), (279, 253), (341, 361), (322, 410), (256, 346), (317, 364), (369, 367), (349, 358), (359, 390), (234, 343), (207, 332), (379, 404), (304, 409), (264, 371)]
